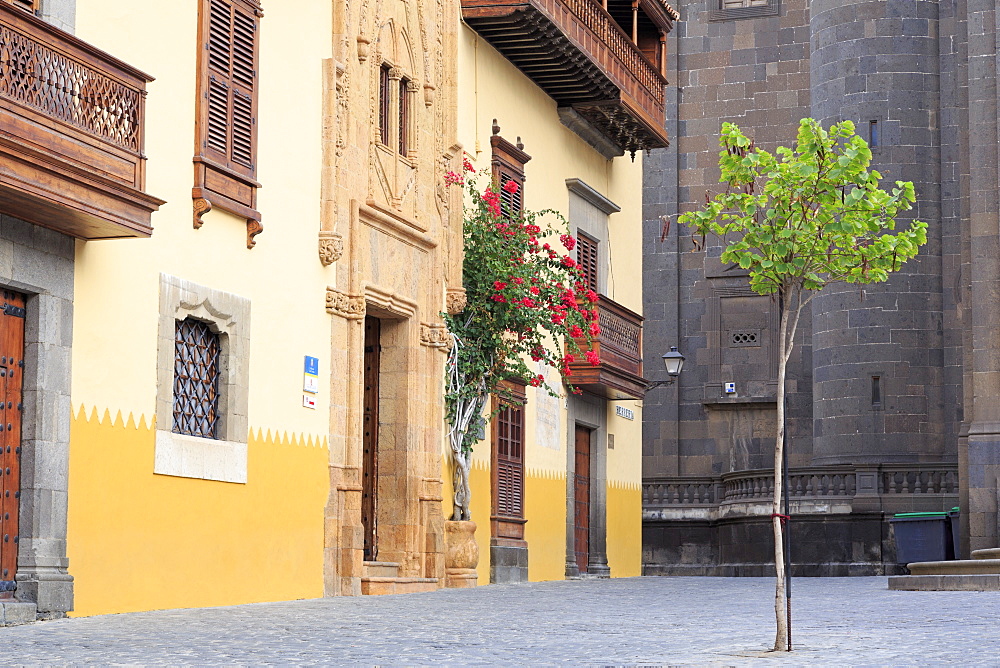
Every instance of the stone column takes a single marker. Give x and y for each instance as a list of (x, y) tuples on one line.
[(984, 153)]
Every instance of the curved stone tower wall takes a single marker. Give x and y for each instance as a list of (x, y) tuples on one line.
[(879, 61)]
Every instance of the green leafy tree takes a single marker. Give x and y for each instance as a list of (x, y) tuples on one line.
[(799, 220), (525, 297)]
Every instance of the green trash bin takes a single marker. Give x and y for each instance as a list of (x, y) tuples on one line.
[(922, 537)]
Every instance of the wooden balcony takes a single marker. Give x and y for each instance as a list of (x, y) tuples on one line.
[(577, 53), (619, 345), (71, 133)]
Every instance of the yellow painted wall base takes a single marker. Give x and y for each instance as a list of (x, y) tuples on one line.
[(140, 541), (545, 510), (624, 530)]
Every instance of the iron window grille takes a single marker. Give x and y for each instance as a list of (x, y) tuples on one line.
[(196, 379)]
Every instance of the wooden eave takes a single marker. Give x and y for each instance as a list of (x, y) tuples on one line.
[(567, 59), (71, 133)]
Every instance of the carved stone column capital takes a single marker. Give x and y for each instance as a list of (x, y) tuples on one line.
[(456, 300), (331, 247), (346, 306)]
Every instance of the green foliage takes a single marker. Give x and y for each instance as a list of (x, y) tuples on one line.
[(808, 216), (525, 296)]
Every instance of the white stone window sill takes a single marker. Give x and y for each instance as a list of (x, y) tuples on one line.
[(203, 458)]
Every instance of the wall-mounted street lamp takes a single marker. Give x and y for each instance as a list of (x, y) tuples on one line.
[(674, 362)]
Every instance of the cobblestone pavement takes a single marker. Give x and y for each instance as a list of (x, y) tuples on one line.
[(647, 621)]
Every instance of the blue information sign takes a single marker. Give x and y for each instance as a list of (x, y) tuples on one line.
[(312, 366)]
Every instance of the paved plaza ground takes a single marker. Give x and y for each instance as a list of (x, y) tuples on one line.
[(647, 621)]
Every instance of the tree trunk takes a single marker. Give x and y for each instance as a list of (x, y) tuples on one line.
[(780, 602), (462, 492)]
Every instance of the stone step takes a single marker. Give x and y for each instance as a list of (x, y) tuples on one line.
[(945, 583), (990, 553), (379, 586), (380, 569), (14, 612), (959, 567)]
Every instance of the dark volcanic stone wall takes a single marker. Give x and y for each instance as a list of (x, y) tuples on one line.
[(926, 73), (878, 61)]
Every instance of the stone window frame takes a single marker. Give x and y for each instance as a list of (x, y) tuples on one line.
[(597, 228), (717, 12), (224, 458)]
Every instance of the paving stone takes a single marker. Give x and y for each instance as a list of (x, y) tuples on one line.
[(633, 621)]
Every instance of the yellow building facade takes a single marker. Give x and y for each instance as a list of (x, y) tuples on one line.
[(247, 405)]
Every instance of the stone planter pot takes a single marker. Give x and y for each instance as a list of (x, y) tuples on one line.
[(461, 554)]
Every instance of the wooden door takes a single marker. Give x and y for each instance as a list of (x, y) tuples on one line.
[(11, 371), (582, 487), (369, 442)]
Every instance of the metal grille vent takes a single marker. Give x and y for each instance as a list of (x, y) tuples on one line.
[(196, 379)]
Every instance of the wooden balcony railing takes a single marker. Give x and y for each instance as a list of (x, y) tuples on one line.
[(577, 53), (71, 133), (619, 346)]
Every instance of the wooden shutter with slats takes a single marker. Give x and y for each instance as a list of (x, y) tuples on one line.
[(507, 518), (26, 5), (226, 137), (508, 165), (587, 258)]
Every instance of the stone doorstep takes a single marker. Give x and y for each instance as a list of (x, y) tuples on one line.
[(988, 582), (957, 567), (383, 569), (14, 612), (378, 586), (990, 553)]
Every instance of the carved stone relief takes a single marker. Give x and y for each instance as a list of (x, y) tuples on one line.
[(434, 335), (331, 247), (347, 306), (456, 300)]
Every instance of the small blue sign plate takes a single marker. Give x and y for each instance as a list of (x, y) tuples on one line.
[(312, 366)]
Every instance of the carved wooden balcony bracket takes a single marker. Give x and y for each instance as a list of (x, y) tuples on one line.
[(203, 203)]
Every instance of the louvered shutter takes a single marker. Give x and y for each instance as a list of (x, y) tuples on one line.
[(508, 165), (587, 258), (512, 203), (26, 5), (230, 86), (508, 460)]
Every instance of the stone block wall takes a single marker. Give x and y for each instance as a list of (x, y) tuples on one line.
[(919, 81)]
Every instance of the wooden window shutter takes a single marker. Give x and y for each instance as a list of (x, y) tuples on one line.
[(587, 258), (404, 116), (384, 102), (26, 5), (226, 142), (231, 86), (508, 165), (508, 454)]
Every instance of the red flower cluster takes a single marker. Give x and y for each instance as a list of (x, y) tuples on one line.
[(510, 187), (492, 200), (467, 166), (451, 178), (568, 241)]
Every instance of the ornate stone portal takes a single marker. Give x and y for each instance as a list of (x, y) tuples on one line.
[(394, 235)]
